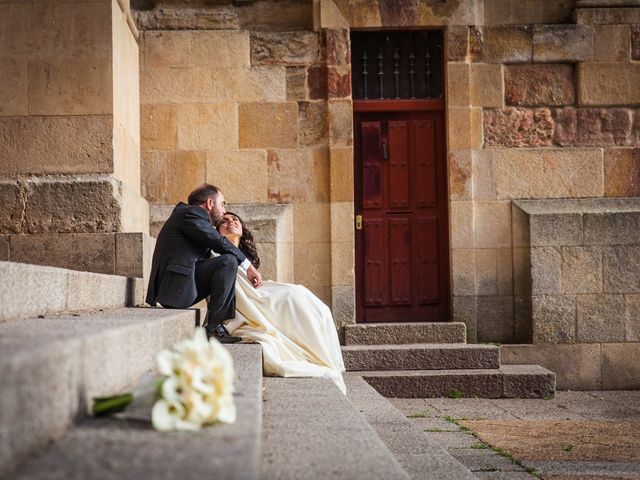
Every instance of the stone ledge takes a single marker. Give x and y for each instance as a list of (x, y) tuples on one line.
[(404, 333), (52, 367), (30, 290)]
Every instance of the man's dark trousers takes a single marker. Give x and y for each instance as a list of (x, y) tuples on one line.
[(216, 279)]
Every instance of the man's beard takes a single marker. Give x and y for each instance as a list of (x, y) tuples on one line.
[(214, 217)]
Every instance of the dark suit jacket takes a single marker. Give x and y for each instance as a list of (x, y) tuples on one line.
[(186, 237)]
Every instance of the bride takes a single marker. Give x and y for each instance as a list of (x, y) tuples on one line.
[(294, 327)]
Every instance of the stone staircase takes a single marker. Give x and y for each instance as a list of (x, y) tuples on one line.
[(68, 336), (423, 360)]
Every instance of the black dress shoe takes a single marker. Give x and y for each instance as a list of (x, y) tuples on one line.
[(221, 334)]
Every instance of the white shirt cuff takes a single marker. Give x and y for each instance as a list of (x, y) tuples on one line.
[(245, 265)]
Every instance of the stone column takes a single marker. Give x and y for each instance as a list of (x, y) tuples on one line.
[(70, 148)]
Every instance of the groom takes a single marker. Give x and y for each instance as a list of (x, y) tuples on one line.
[(182, 273)]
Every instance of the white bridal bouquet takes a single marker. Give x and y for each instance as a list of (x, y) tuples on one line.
[(196, 388)]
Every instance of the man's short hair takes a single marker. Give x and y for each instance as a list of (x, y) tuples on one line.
[(200, 194)]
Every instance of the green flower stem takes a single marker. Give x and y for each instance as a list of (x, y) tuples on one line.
[(109, 405)]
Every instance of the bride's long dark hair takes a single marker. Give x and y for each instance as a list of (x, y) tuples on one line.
[(247, 245)]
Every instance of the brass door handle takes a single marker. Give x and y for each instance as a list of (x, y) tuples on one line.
[(358, 222)]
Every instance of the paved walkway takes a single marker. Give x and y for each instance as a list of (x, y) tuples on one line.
[(576, 435)]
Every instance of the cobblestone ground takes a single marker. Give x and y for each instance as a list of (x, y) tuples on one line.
[(576, 435)]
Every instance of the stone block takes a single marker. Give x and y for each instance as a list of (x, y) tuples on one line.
[(566, 126), (460, 175), (607, 16), (486, 85), (242, 175), (522, 281), (523, 315), (343, 304), (56, 144), (604, 126), (486, 271), (546, 270), (635, 42), (288, 16), (504, 262), (463, 271), (297, 176), (528, 381), (461, 222), (14, 96), (608, 83), (505, 44), (341, 174), (313, 123), (14, 30), (609, 228), (219, 49), (12, 213), (465, 128), (342, 222), (4, 248), (554, 319), (581, 270), (548, 173), (464, 310), (458, 84), (91, 252), (621, 266), (329, 16), (171, 17), (622, 172), (495, 319), (296, 81), (517, 127), (621, 366), (338, 46), (317, 81), (167, 48), (284, 48), (79, 205), (165, 85), (560, 229), (339, 82), (311, 221), (577, 367), (520, 226), (612, 43), (158, 127), (502, 12), (457, 46), (209, 126), (492, 222), (257, 84), (342, 263), (539, 85), (65, 87), (340, 123), (567, 43), (632, 317), (312, 263), (282, 119), (169, 177), (601, 318), (97, 291), (134, 252)]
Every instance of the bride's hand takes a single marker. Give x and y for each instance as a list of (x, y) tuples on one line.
[(254, 276)]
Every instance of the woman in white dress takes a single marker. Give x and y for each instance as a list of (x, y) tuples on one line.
[(296, 330)]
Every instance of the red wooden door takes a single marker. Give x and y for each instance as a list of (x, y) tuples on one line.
[(402, 253)]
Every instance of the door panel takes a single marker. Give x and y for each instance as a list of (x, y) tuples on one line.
[(402, 250)]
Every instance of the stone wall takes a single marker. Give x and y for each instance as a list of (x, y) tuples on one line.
[(69, 169), (245, 105)]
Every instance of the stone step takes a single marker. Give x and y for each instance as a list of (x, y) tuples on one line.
[(311, 430), (50, 368), (403, 333), (407, 442), (508, 381), (428, 356), (32, 290), (122, 449)]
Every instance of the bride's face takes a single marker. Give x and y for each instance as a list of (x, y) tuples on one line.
[(230, 225)]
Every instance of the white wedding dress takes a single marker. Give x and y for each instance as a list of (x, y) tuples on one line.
[(294, 327)]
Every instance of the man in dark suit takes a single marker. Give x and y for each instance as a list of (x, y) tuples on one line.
[(183, 273)]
